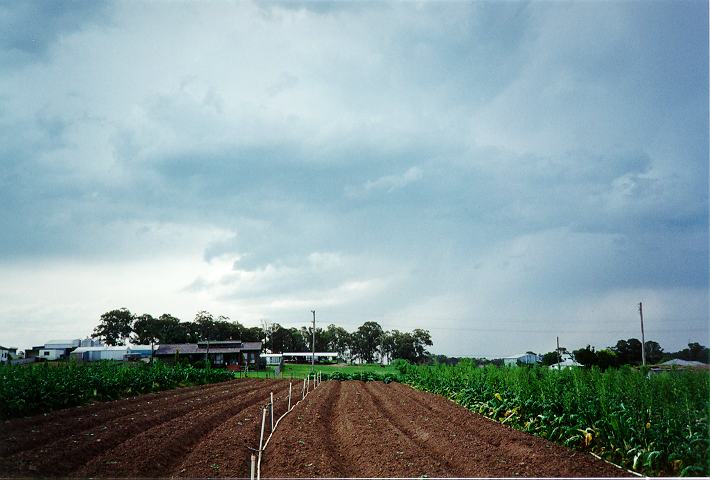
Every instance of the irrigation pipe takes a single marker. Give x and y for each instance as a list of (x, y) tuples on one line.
[(617, 466), (274, 425)]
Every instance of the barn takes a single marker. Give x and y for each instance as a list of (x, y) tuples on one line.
[(227, 353)]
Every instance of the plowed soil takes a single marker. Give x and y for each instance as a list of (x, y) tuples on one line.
[(356, 429), (189, 432), (342, 429)]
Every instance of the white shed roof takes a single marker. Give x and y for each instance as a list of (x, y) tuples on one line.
[(308, 354), (101, 349), (684, 363)]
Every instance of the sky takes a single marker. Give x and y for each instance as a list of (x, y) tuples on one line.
[(500, 173)]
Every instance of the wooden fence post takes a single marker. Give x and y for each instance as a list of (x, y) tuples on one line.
[(253, 466)]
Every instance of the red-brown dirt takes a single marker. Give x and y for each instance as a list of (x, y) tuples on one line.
[(353, 429), (147, 436), (342, 429)]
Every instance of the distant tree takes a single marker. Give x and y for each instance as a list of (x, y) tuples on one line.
[(695, 352), (338, 340), (252, 334), (606, 358), (146, 330), (698, 353), (586, 356), (321, 339), (421, 340), (204, 321), (225, 329), (293, 340), (114, 327), (406, 346), (171, 330), (628, 352), (550, 358), (366, 341), (654, 352)]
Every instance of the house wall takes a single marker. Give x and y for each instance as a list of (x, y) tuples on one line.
[(50, 354)]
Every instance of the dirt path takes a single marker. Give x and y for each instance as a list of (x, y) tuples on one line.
[(348, 429), (145, 436)]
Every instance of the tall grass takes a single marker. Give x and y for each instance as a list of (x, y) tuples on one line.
[(654, 424)]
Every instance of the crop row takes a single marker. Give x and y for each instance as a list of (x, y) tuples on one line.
[(653, 424), (363, 376), (28, 390)]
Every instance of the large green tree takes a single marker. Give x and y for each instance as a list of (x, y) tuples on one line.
[(407, 346), (338, 340), (114, 327), (366, 341)]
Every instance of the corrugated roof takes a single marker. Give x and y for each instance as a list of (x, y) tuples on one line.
[(308, 354), (171, 349), (251, 346), (684, 363), (192, 348), (105, 348)]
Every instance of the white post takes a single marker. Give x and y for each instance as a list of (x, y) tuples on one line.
[(308, 382), (289, 396), (303, 389), (253, 466), (272, 411), (261, 443)]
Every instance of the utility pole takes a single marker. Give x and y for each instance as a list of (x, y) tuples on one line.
[(313, 358), (643, 339), (559, 356)]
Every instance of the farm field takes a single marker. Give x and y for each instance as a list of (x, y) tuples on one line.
[(188, 432), (357, 429), (300, 370), (342, 429)]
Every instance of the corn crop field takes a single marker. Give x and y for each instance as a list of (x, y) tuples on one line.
[(27, 390), (655, 424)]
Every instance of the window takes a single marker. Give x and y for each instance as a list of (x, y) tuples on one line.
[(45, 353)]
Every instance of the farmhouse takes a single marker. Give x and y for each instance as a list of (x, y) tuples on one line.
[(7, 353), (229, 353), (526, 358)]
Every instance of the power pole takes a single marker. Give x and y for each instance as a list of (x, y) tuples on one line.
[(643, 339), (559, 355), (313, 358)]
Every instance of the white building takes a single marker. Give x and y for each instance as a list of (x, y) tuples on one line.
[(566, 364), (105, 352), (278, 358), (526, 358), (7, 353), (58, 349)]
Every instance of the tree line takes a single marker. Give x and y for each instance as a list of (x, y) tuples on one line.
[(628, 352), (624, 352), (368, 343)]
